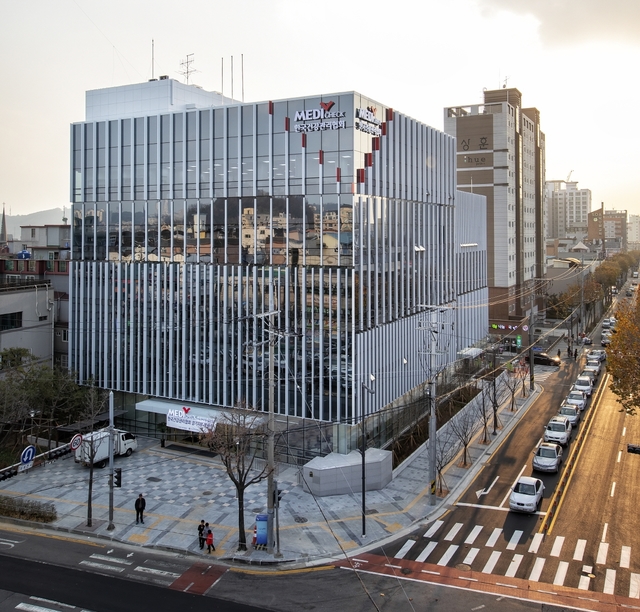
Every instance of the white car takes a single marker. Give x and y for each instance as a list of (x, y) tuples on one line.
[(594, 364), (577, 398), (547, 458), (558, 430), (590, 374), (572, 412), (526, 495), (583, 383), (599, 354)]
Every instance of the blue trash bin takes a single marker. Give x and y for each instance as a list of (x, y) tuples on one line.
[(261, 529)]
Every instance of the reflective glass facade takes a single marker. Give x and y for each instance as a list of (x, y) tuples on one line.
[(335, 213)]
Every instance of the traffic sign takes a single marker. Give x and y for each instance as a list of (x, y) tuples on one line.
[(76, 441), (25, 466), (28, 454)]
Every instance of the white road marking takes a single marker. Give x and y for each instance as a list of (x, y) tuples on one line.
[(453, 532), (609, 581), (475, 532), (537, 569), (625, 556), (433, 529), (579, 551), (506, 497), (619, 456), (613, 489), (404, 550), (557, 546), (515, 538), (514, 565), (561, 573), (624, 431), (112, 559), (31, 608), (447, 556), (491, 563), (51, 601), (471, 555), (493, 538), (583, 584), (604, 531), (487, 507), (426, 552), (634, 586), (535, 543), (156, 572), (102, 566), (603, 549)]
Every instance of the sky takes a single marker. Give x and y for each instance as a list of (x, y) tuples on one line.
[(574, 60)]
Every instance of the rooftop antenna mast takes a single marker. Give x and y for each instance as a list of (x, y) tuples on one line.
[(186, 69), (153, 58)]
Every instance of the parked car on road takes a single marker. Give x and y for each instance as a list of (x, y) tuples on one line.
[(599, 354), (547, 457), (577, 398), (590, 374), (526, 495), (594, 364), (544, 359), (572, 412), (584, 384), (558, 430)]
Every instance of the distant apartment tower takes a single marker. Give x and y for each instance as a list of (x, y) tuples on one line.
[(568, 209), (501, 155), (633, 233), (609, 228)]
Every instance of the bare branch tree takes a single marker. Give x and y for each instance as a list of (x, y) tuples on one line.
[(465, 425), (512, 382), (237, 437), (483, 408), (447, 446)]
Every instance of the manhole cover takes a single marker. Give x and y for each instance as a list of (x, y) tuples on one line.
[(255, 510), (463, 567), (154, 479), (405, 570), (207, 493), (300, 519)]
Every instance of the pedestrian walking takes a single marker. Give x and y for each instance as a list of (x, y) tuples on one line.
[(559, 354), (575, 355), (201, 535), (140, 505), (210, 541)]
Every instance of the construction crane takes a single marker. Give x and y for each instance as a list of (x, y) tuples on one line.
[(569, 176)]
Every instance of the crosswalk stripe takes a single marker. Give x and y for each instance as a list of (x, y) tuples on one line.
[(426, 552), (491, 563), (583, 584), (493, 538), (514, 565), (453, 532), (447, 556), (609, 581), (102, 566), (561, 573), (634, 586), (475, 532), (433, 529), (557, 546), (471, 555), (515, 538), (404, 550), (579, 551), (535, 543), (625, 556), (537, 569), (603, 549)]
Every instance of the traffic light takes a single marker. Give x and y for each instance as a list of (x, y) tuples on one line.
[(277, 496), (117, 477), (633, 448)]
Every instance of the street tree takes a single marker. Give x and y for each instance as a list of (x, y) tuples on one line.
[(447, 447), (512, 383), (483, 408), (623, 358), (237, 437), (465, 425)]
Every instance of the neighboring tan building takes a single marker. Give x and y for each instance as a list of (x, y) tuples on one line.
[(501, 155), (568, 209)]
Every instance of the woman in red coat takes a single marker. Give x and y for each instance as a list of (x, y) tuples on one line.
[(210, 541)]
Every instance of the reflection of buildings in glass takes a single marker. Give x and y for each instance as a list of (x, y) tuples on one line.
[(338, 231)]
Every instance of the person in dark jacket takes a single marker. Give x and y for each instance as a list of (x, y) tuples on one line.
[(201, 535), (140, 506)]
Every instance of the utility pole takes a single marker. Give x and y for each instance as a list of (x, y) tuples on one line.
[(111, 526), (271, 427), (363, 451)]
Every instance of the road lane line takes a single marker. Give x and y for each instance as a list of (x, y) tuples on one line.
[(493, 538), (475, 532), (619, 456), (112, 559), (453, 532), (604, 531), (404, 550), (603, 549), (471, 555), (51, 601), (515, 538), (535, 543), (579, 551), (491, 563), (447, 556), (514, 565), (634, 586), (609, 582), (625, 556), (102, 566), (433, 529), (613, 489), (537, 569), (426, 552), (561, 573), (557, 546), (156, 572), (624, 431)]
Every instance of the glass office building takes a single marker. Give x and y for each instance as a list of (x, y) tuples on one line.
[(210, 236)]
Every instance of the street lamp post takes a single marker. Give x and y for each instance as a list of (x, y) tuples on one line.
[(363, 449)]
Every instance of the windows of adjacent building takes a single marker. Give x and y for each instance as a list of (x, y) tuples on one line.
[(65, 335), (10, 320)]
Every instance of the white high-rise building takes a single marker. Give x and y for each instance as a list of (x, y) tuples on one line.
[(568, 209)]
